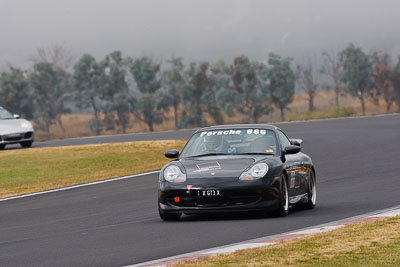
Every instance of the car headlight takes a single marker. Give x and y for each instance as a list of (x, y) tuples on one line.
[(174, 174), (26, 124), (257, 171)]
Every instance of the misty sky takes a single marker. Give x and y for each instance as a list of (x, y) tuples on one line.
[(196, 30)]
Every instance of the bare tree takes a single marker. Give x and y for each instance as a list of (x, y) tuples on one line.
[(381, 77), (308, 83), (57, 55), (61, 59), (333, 69)]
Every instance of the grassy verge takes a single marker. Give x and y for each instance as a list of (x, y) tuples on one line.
[(335, 112), (368, 244), (37, 169)]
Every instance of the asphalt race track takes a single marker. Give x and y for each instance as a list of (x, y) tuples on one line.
[(357, 162), (167, 135)]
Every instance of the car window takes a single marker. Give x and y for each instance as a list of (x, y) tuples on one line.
[(283, 140), (5, 115), (232, 142)]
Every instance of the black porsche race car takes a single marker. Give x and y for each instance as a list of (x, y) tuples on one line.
[(236, 168)]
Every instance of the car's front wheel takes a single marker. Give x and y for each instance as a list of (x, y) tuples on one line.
[(26, 143), (283, 205), (170, 216), (2, 147)]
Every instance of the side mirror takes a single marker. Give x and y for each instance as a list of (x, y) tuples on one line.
[(292, 150), (296, 142), (172, 153), (16, 116)]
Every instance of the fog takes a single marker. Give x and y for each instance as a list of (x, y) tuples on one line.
[(196, 30)]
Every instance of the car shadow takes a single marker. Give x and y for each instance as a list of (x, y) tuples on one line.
[(228, 216), (247, 215), (14, 147)]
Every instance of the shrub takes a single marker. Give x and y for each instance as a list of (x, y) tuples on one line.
[(343, 111), (335, 112)]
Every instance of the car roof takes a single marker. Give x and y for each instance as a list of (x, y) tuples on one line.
[(237, 126)]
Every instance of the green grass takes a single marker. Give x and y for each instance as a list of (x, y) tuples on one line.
[(31, 170), (335, 112), (367, 244)]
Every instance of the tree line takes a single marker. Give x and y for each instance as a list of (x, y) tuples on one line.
[(116, 87)]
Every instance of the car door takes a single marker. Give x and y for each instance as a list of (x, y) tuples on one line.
[(293, 167)]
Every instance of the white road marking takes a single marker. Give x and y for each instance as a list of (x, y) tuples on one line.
[(80, 185), (234, 248), (390, 213), (273, 239), (318, 230)]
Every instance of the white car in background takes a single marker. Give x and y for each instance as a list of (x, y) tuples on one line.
[(14, 130)]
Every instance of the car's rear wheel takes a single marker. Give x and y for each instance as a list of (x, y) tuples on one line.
[(311, 191), (283, 206), (26, 143), (2, 147), (311, 194)]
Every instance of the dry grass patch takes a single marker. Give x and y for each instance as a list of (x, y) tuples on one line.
[(368, 244), (30, 170)]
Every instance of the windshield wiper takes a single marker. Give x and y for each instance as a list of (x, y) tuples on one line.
[(210, 154), (255, 153)]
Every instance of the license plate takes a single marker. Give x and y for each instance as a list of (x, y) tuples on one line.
[(13, 135), (209, 193)]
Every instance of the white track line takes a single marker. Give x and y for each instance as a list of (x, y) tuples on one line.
[(273, 239), (80, 185)]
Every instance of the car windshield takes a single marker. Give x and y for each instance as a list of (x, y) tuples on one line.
[(5, 115), (231, 142)]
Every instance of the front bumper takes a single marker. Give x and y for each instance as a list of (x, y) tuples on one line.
[(236, 196), (16, 138)]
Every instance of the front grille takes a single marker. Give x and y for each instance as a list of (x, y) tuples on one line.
[(229, 199), (12, 138), (204, 202)]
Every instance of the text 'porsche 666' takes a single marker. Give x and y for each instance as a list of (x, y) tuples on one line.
[(236, 168)]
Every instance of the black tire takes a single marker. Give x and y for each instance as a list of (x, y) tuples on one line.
[(283, 206), (26, 144), (2, 147), (311, 194), (170, 216)]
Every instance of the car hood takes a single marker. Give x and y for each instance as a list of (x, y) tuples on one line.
[(216, 167), (13, 126)]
